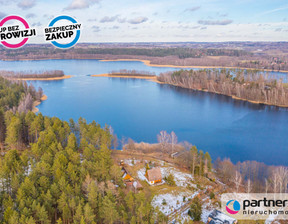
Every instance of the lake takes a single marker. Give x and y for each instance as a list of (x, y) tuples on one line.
[(140, 109)]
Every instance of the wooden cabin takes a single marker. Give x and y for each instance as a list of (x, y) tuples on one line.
[(154, 175)]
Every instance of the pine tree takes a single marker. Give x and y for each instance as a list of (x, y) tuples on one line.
[(109, 212), (88, 214)]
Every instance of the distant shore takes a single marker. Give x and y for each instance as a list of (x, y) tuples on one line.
[(148, 63), (128, 76), (37, 103), (154, 79), (148, 78), (43, 79)]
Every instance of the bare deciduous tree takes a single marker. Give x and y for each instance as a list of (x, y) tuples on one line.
[(248, 187), (174, 140), (280, 176), (237, 180), (163, 139), (267, 185)]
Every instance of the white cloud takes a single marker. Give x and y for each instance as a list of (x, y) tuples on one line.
[(96, 29), (108, 19), (2, 15), (216, 22), (37, 24), (138, 20), (26, 4), (121, 20), (81, 4), (30, 15), (195, 8)]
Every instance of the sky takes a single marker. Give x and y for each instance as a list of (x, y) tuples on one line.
[(160, 20)]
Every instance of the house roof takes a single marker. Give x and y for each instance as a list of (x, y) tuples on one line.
[(154, 174), (127, 177), (219, 217)]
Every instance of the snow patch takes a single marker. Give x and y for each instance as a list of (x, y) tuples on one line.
[(181, 179), (141, 174), (173, 201), (131, 162)]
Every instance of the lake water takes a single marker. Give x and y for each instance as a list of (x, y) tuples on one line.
[(140, 109)]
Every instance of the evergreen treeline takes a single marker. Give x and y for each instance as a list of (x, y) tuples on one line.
[(244, 84), (61, 180), (162, 52), (153, 52), (53, 171)]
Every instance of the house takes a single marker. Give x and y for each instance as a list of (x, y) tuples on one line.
[(218, 217), (154, 175), (125, 175)]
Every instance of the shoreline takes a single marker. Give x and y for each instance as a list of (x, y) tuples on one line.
[(147, 63), (42, 79), (37, 103), (126, 76), (154, 79)]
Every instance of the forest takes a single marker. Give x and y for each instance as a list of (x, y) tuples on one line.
[(154, 52), (125, 72), (252, 176), (53, 171), (18, 96), (208, 54), (31, 74), (251, 85)]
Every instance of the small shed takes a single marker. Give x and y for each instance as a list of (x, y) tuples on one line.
[(137, 186)]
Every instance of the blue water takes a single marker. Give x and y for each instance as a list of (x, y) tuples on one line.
[(140, 109)]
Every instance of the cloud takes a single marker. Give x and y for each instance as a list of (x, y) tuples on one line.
[(96, 29), (37, 24), (108, 19), (278, 30), (81, 4), (2, 15), (138, 20), (223, 15), (92, 20), (4, 2), (49, 17), (216, 22), (26, 4), (121, 20), (195, 8), (30, 15), (114, 28)]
